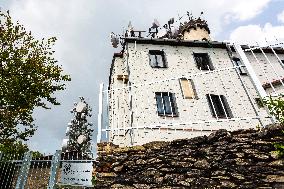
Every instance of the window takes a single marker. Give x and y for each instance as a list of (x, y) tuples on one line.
[(187, 88), (157, 59), (165, 104), (123, 78), (219, 106), (203, 61), (242, 69)]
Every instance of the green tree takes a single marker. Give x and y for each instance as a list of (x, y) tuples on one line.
[(13, 149), (276, 109), (29, 77)]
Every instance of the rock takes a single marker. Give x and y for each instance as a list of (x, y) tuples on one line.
[(120, 186), (142, 186), (167, 169), (140, 162), (278, 163), (218, 134), (274, 154), (184, 183), (240, 155), (154, 160), (275, 178), (202, 164), (228, 184), (261, 156), (237, 176), (118, 169)]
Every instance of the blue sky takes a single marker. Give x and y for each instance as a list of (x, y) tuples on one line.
[(84, 49)]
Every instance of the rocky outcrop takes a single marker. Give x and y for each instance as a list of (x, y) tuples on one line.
[(239, 159)]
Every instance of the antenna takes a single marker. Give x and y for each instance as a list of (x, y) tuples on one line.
[(155, 24), (130, 30), (189, 15), (171, 21), (114, 40), (130, 27)]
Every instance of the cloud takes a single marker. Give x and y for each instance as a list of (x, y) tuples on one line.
[(244, 10), (280, 17), (253, 34)]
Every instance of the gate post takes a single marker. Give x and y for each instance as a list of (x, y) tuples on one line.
[(100, 114), (24, 171), (55, 162)]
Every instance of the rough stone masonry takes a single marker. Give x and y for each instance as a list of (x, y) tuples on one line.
[(238, 159)]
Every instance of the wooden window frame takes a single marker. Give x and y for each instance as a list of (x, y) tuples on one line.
[(191, 87)]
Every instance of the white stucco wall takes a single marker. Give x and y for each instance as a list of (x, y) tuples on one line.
[(193, 114)]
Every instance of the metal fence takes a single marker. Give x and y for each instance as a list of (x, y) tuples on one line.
[(228, 96), (59, 170)]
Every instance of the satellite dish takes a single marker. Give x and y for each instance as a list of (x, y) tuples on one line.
[(64, 144), (67, 131), (171, 21), (155, 24), (81, 139), (114, 40), (81, 106)]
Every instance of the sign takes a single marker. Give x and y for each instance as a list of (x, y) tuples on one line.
[(77, 173)]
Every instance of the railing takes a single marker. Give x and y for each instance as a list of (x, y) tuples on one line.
[(60, 169)]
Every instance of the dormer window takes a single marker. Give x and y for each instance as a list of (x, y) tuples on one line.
[(203, 61), (157, 59)]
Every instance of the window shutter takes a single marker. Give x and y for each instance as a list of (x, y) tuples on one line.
[(152, 60), (187, 88)]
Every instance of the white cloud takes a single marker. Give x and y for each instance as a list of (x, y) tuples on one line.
[(253, 34), (244, 10), (280, 17)]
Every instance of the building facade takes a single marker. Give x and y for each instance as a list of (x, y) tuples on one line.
[(185, 86)]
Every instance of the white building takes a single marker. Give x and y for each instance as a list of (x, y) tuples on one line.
[(184, 85)]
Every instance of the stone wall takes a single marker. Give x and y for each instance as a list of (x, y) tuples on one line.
[(239, 159)]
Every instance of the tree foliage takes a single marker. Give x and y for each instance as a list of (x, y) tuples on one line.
[(16, 150), (276, 109), (29, 76)]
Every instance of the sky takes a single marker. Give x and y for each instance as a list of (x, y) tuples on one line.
[(83, 27)]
